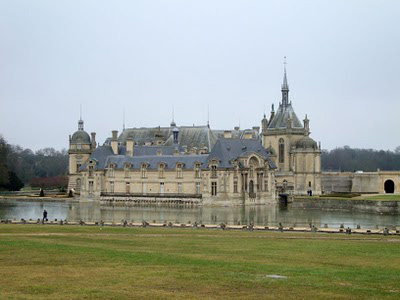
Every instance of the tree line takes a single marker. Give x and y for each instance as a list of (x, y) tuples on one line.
[(348, 159), (19, 166)]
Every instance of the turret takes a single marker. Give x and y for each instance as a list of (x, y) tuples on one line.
[(264, 124)]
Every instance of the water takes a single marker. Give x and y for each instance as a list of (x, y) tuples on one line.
[(260, 214)]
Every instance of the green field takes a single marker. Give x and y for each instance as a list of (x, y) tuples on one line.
[(73, 262)]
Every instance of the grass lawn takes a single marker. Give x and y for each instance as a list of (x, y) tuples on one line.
[(73, 262), (383, 197)]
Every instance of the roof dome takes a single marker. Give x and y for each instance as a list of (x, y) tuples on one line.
[(306, 142), (80, 137)]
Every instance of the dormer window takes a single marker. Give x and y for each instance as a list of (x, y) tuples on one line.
[(213, 171), (127, 170), (161, 168), (179, 170), (197, 170), (111, 170), (143, 170), (90, 171)]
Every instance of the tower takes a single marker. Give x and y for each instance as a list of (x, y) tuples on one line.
[(80, 148), (295, 154)]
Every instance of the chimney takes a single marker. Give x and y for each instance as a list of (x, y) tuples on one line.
[(114, 141), (93, 134), (129, 147), (227, 134)]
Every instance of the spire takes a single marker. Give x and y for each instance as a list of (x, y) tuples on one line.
[(80, 122), (285, 86), (123, 120), (173, 124)]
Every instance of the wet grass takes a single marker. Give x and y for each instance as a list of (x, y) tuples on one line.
[(73, 262)]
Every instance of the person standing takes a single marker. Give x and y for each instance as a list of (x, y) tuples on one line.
[(45, 216)]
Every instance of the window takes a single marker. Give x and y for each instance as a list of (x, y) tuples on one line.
[(143, 170), (266, 185), (251, 171), (127, 171), (90, 187), (235, 186), (111, 186), (197, 171), (78, 184), (111, 171), (179, 187), (79, 146), (90, 171), (213, 171), (127, 187), (281, 151), (198, 188), (161, 169), (162, 185), (78, 165), (179, 170), (235, 173), (213, 188)]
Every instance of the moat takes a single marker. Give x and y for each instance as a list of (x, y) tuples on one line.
[(259, 214)]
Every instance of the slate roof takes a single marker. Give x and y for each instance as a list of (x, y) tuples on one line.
[(81, 137), (282, 114), (226, 150), (189, 136), (237, 134), (153, 161)]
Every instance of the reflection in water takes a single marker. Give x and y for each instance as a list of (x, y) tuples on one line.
[(259, 214)]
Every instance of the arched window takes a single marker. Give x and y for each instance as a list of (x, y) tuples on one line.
[(281, 151)]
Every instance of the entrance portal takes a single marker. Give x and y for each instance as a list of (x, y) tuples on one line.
[(389, 186)]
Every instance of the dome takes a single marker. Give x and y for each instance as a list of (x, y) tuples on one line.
[(306, 142), (80, 137)]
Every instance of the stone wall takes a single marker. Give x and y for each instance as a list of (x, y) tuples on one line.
[(368, 206), (336, 182)]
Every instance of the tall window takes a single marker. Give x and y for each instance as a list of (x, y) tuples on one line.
[(111, 170), (213, 188), (127, 187), (179, 170), (111, 186), (162, 185), (161, 168), (213, 171), (198, 188), (281, 151), (143, 170), (90, 187), (78, 184), (179, 187), (79, 146), (235, 186), (197, 172), (78, 165)]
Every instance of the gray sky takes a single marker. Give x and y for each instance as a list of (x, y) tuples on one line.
[(148, 56)]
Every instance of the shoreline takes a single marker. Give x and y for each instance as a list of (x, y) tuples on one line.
[(364, 231)]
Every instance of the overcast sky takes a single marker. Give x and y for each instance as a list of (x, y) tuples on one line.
[(149, 56)]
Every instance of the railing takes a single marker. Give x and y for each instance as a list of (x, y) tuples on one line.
[(151, 195)]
